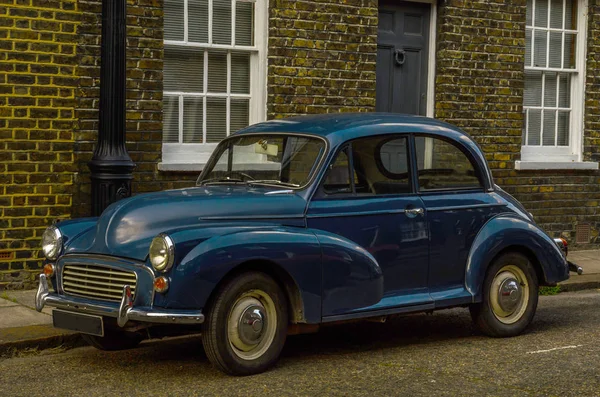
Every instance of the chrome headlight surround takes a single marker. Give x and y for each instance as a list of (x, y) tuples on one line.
[(162, 253), (52, 242)]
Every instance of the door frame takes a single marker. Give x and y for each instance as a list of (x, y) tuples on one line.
[(430, 107)]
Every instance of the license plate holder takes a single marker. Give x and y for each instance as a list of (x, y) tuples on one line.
[(79, 322)]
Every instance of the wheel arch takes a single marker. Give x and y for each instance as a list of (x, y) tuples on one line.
[(286, 282), (508, 232), (529, 254)]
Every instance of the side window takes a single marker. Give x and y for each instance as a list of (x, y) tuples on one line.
[(380, 167), (443, 166), (338, 176)]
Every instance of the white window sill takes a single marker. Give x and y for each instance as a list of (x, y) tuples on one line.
[(181, 167), (556, 165)]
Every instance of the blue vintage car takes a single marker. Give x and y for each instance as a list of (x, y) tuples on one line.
[(298, 222)]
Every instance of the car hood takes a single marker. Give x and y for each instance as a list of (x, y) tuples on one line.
[(127, 227)]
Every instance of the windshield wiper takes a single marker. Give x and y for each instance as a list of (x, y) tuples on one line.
[(273, 182), (221, 180)]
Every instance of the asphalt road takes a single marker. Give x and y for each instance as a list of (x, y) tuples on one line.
[(430, 355)]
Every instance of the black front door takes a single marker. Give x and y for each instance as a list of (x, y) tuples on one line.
[(402, 57)]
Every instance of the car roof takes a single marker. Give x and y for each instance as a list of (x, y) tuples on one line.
[(359, 124)]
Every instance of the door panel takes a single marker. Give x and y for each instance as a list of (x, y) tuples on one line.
[(398, 241), (402, 57)]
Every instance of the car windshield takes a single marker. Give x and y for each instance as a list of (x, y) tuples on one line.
[(285, 160)]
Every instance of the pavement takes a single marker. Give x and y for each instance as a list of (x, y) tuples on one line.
[(439, 354), (22, 327)]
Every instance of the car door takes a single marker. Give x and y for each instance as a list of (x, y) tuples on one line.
[(367, 197), (457, 205)]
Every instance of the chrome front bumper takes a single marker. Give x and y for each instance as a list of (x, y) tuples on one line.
[(123, 313)]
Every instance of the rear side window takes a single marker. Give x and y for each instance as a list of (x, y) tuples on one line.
[(379, 167), (443, 166)]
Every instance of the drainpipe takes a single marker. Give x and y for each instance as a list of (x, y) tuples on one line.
[(111, 167)]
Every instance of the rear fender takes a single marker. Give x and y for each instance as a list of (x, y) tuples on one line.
[(508, 231)]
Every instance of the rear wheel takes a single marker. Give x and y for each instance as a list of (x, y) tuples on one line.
[(510, 297), (246, 325), (114, 339)]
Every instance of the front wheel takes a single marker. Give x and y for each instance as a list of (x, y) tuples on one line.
[(510, 297), (246, 325)]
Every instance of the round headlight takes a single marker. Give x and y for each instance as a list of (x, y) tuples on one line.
[(52, 242), (162, 253)]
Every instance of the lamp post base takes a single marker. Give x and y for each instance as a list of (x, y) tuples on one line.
[(111, 181)]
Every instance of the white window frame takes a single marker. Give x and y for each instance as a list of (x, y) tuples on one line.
[(193, 156), (570, 156)]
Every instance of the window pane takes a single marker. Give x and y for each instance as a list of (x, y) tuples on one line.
[(569, 60), (549, 124), (550, 90), (244, 26), (183, 69), (564, 93), (216, 116), (541, 13), (173, 20), (534, 125), (528, 47), (556, 14), (170, 119), (555, 53), (240, 114), (540, 45), (532, 95), (198, 21), (443, 166), (240, 73), (192, 120), (563, 129), (221, 22), (338, 177), (217, 71), (528, 12)]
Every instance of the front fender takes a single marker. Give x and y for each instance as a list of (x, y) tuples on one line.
[(296, 251), (506, 231)]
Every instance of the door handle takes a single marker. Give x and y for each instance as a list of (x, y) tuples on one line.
[(414, 211)]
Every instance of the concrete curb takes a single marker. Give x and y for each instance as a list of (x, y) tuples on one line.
[(39, 337), (582, 282)]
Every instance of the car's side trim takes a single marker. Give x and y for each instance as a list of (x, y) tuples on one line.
[(382, 312), (246, 217), (464, 207), (357, 213)]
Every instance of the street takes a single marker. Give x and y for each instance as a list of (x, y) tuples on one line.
[(429, 355)]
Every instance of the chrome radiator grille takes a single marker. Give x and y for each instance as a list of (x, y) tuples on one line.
[(98, 282)]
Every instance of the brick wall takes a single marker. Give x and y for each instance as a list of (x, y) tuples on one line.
[(479, 87), (322, 56), (37, 119)]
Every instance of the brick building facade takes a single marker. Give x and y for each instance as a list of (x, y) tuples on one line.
[(477, 66)]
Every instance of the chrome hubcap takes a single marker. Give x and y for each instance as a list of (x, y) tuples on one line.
[(509, 295), (251, 324)]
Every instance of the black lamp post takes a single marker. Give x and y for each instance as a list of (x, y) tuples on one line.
[(111, 167)]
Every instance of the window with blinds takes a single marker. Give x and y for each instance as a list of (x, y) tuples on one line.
[(551, 70), (211, 53)]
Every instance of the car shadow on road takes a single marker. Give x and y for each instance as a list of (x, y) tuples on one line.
[(404, 331)]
